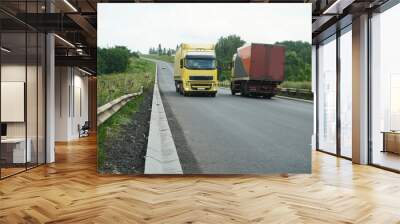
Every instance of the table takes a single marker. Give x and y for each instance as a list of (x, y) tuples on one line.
[(391, 141), (13, 150)]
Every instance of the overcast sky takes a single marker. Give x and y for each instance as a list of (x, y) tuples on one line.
[(141, 26)]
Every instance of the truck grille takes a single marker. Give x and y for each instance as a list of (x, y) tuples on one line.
[(200, 78)]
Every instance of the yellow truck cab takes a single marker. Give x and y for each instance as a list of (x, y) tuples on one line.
[(195, 69)]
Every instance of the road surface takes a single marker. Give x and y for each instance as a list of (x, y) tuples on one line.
[(235, 135)]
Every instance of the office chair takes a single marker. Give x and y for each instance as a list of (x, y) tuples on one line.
[(84, 130)]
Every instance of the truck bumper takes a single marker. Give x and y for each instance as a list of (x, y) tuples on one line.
[(254, 87), (209, 87), (262, 90)]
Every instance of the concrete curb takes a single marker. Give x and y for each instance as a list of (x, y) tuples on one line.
[(161, 155)]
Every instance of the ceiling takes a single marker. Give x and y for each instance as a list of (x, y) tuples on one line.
[(330, 15), (73, 21)]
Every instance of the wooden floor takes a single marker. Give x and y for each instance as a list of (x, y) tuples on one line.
[(70, 191), (5, 172), (387, 159)]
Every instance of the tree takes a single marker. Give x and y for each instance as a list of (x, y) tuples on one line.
[(159, 49), (225, 48), (298, 60)]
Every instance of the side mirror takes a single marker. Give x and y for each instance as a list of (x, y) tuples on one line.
[(181, 63)]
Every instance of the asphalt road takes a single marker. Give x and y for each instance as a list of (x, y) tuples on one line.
[(235, 135)]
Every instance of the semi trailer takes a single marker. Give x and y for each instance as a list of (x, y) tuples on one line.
[(195, 69), (257, 70)]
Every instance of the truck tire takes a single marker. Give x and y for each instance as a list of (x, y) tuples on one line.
[(243, 89), (213, 94), (232, 91), (267, 96), (180, 90)]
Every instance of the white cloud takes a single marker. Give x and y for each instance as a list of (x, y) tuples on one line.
[(141, 26)]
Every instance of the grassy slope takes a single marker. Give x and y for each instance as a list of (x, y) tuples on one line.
[(111, 86), (165, 58), (140, 73)]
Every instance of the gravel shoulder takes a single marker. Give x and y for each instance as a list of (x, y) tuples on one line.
[(125, 152)]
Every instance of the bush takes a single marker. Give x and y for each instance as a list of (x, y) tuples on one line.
[(112, 60)]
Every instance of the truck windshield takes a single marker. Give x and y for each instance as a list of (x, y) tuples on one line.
[(200, 63)]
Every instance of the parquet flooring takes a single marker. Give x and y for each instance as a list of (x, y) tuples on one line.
[(70, 191)]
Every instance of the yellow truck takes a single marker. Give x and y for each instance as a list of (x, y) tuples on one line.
[(195, 69)]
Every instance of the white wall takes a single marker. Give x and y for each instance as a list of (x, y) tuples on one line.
[(16, 73), (71, 87), (33, 125), (62, 82), (12, 73)]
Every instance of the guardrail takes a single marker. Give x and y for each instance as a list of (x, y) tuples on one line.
[(107, 110), (289, 92), (296, 93), (224, 83)]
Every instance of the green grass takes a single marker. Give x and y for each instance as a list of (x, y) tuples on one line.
[(296, 85), (111, 86), (140, 72), (165, 58)]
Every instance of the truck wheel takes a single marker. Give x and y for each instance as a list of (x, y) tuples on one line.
[(243, 89), (180, 90), (213, 94), (267, 96)]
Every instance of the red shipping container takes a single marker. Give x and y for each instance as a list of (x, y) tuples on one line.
[(263, 62)]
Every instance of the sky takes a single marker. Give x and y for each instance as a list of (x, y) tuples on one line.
[(143, 25)]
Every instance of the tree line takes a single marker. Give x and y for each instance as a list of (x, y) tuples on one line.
[(114, 59), (297, 57), (162, 51)]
